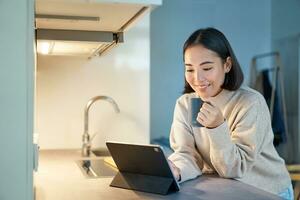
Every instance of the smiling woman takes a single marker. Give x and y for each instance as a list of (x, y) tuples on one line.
[(236, 140), (205, 71), (208, 50)]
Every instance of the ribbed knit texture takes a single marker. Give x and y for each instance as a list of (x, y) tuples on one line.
[(241, 148)]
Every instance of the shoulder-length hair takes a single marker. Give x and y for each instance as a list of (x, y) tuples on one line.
[(215, 40)]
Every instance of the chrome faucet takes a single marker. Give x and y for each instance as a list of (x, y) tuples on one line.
[(86, 143)]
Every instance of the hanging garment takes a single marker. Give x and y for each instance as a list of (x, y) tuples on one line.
[(277, 119)]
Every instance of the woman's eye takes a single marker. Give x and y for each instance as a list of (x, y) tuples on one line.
[(207, 69), (189, 70)]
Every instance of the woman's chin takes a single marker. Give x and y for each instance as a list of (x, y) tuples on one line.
[(203, 95)]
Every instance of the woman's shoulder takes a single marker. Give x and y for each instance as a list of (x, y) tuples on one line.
[(248, 95)]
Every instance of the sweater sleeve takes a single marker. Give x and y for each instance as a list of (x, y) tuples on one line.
[(233, 152), (185, 156)]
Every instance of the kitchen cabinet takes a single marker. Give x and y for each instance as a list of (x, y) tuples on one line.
[(85, 28), (17, 88)]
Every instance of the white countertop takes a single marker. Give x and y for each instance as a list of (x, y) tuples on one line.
[(60, 178)]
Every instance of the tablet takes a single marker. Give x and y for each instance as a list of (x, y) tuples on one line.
[(142, 167)]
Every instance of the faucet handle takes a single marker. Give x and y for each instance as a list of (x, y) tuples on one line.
[(86, 149), (94, 135)]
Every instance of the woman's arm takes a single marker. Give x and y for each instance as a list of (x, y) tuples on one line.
[(233, 152), (185, 156)]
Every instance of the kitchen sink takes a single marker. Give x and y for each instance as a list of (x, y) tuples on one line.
[(100, 152), (96, 168)]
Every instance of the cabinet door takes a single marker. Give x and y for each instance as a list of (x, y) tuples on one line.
[(298, 133), (16, 98)]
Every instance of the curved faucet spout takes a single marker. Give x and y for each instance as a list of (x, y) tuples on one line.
[(86, 146)]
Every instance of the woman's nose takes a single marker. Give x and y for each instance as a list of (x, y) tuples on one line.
[(199, 76)]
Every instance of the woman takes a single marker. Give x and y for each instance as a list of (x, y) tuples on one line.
[(236, 140)]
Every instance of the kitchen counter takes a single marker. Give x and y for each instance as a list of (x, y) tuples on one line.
[(60, 178)]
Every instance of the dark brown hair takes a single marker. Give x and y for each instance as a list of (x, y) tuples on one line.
[(214, 40)]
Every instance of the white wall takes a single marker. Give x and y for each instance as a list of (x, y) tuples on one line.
[(65, 84), (247, 26)]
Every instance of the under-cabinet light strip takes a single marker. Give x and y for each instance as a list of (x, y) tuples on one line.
[(67, 17)]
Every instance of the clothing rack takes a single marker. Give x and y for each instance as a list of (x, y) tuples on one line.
[(276, 76)]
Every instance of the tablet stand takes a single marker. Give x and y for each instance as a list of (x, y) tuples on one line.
[(144, 183)]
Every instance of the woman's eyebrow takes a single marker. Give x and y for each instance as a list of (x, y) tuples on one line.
[(203, 63), (206, 62)]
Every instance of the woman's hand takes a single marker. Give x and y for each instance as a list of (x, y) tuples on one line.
[(210, 116), (175, 170)]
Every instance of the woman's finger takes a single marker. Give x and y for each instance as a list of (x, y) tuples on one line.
[(202, 119), (205, 111), (202, 116), (209, 107)]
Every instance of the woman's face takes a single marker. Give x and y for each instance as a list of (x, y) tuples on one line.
[(205, 71)]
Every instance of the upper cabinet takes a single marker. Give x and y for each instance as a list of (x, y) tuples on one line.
[(85, 27)]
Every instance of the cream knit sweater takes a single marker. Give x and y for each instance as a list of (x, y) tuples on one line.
[(241, 148)]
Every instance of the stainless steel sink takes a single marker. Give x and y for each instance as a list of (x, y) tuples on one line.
[(100, 152), (96, 168)]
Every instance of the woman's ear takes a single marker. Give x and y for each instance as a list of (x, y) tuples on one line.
[(228, 64)]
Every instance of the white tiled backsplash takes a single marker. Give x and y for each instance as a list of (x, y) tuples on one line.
[(65, 84)]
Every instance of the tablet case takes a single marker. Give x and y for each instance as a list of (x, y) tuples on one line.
[(142, 167)]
